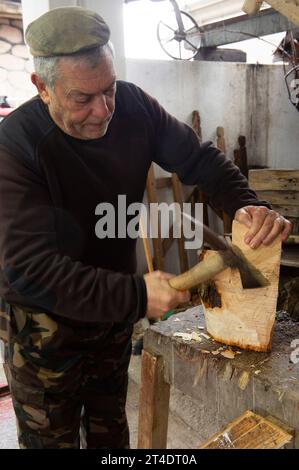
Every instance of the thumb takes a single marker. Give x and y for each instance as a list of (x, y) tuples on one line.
[(243, 216)]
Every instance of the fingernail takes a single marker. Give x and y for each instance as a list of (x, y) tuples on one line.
[(247, 239), (253, 245)]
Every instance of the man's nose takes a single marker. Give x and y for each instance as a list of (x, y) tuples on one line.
[(100, 108)]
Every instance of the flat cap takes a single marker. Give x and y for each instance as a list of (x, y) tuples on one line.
[(66, 31)]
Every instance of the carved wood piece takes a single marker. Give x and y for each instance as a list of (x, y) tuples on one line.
[(246, 317)]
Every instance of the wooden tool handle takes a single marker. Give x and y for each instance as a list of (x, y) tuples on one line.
[(202, 272), (146, 247)]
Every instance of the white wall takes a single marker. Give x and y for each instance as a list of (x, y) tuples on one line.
[(112, 12), (248, 100)]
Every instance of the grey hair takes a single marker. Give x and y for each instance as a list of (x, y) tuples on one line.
[(47, 70)]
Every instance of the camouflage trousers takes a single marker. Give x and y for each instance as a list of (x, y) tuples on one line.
[(68, 382)]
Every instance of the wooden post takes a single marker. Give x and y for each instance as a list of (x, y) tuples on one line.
[(153, 403), (240, 156), (227, 223), (244, 317), (196, 126), (152, 198), (178, 198)]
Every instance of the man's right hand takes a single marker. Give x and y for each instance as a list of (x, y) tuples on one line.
[(160, 296)]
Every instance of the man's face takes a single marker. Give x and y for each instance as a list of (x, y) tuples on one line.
[(83, 100)]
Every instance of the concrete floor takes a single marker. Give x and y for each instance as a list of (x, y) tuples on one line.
[(180, 436)]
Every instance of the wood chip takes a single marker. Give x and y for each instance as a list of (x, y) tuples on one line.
[(243, 380), (257, 372), (228, 353), (216, 352), (205, 351)]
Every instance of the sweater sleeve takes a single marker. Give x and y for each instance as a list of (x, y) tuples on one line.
[(178, 150), (35, 273)]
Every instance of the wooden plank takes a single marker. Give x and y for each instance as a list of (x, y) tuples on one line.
[(289, 212), (152, 198), (280, 198), (272, 180), (153, 403), (244, 317), (288, 8), (250, 431)]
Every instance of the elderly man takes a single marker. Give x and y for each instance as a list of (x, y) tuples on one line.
[(70, 299)]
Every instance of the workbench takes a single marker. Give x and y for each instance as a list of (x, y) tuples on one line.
[(220, 388)]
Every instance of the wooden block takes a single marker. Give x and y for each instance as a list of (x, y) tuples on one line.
[(251, 431), (244, 317), (153, 403)]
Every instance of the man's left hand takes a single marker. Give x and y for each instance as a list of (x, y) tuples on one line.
[(264, 225)]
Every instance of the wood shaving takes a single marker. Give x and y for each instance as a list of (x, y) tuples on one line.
[(216, 352), (200, 327), (177, 319), (205, 351), (188, 336), (228, 353), (204, 335), (257, 372)]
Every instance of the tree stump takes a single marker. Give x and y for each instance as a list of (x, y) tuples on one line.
[(243, 317)]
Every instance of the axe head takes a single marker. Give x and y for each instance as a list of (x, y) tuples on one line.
[(251, 277)]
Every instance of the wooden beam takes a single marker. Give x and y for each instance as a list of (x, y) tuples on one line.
[(288, 8), (153, 403), (251, 7), (244, 317)]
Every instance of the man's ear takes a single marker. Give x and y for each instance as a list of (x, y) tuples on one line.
[(41, 88)]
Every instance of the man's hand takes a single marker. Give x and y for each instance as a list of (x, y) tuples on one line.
[(160, 296), (264, 225)]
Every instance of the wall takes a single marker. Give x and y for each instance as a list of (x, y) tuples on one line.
[(248, 100), (14, 64)]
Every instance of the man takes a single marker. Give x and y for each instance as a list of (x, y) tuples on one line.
[(70, 298)]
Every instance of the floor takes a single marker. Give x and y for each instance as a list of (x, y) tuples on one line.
[(180, 435)]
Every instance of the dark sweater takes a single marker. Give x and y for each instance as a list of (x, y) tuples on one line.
[(51, 183)]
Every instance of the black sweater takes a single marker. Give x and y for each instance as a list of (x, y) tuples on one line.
[(51, 183)]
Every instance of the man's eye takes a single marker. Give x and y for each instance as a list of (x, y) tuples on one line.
[(82, 100)]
